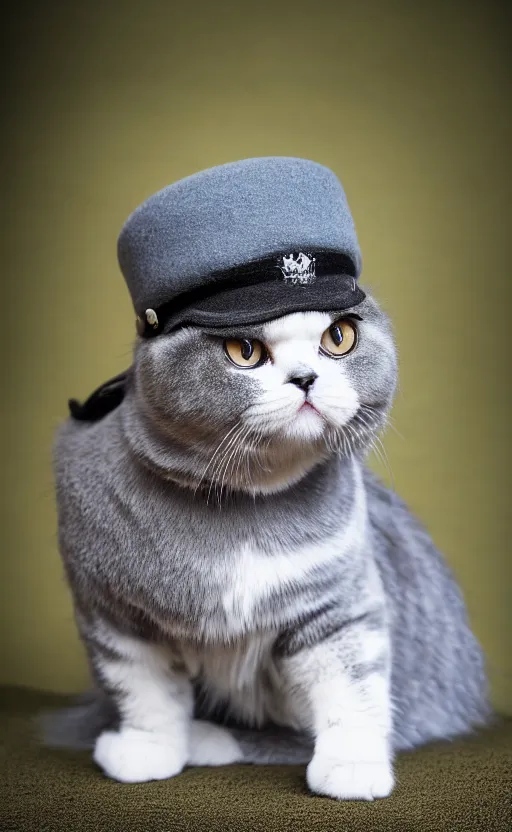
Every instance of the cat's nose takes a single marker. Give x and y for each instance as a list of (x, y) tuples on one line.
[(304, 380)]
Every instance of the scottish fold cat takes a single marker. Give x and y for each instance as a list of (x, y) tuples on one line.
[(246, 589)]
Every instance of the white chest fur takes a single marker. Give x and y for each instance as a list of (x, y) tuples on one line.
[(258, 578)]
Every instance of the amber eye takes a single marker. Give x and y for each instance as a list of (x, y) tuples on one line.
[(339, 339), (245, 353)]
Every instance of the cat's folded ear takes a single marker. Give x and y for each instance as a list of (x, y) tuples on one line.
[(104, 399)]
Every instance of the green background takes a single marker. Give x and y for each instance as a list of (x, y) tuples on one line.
[(109, 102)]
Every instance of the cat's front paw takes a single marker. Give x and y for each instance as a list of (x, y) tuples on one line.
[(133, 756), (350, 781), (350, 766)]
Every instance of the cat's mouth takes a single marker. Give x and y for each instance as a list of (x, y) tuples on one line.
[(308, 406)]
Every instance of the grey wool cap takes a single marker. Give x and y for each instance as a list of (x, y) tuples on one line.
[(243, 242)]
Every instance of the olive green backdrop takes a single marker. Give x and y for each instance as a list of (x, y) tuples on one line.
[(109, 102)]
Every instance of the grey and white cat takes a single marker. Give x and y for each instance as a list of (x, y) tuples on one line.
[(246, 590)]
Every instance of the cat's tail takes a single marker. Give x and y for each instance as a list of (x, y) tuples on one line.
[(273, 746), (79, 725)]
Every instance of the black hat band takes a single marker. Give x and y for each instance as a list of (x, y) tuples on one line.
[(260, 291)]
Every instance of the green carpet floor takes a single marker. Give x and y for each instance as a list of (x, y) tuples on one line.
[(466, 785)]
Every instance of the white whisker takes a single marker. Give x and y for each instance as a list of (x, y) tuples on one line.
[(266, 412), (217, 449), (386, 460), (218, 467), (241, 439)]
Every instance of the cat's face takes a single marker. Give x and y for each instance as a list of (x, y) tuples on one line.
[(259, 405)]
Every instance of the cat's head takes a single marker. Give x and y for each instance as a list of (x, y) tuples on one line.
[(256, 407)]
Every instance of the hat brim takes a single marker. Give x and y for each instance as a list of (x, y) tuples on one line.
[(263, 302)]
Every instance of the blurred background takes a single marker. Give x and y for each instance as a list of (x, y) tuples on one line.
[(410, 106)]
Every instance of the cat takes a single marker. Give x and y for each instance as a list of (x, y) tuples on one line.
[(246, 589)]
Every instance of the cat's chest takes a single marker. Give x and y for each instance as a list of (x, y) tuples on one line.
[(216, 573), (257, 591), (225, 580), (262, 590)]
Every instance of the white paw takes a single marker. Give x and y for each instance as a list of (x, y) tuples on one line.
[(349, 781), (133, 756), (211, 745), (351, 765)]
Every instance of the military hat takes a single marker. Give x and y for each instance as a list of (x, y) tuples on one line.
[(241, 243)]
